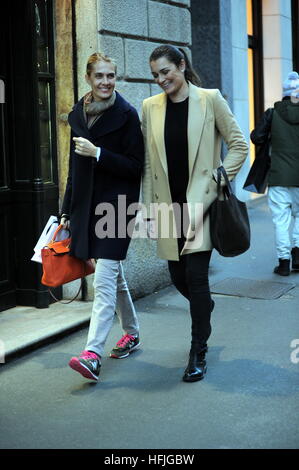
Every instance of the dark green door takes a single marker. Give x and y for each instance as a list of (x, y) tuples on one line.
[(28, 160)]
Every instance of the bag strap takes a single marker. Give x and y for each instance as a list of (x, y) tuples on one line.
[(60, 227), (69, 301), (227, 190)]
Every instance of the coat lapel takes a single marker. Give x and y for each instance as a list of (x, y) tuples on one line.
[(112, 119), (196, 117), (77, 121), (159, 112)]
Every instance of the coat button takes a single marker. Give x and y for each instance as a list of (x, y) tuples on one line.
[(156, 196), (156, 177)]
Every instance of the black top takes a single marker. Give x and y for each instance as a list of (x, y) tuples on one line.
[(176, 145)]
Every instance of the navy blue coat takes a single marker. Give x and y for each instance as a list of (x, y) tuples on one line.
[(89, 183)]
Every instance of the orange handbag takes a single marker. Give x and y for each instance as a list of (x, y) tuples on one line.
[(59, 267)]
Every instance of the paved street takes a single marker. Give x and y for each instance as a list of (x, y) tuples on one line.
[(249, 398)]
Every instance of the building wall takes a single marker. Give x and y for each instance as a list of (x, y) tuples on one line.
[(129, 30), (240, 83), (216, 32)]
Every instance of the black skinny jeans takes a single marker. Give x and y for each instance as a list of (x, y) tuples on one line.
[(190, 277)]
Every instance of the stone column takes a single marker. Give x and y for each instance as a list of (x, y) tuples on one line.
[(277, 41), (212, 44)]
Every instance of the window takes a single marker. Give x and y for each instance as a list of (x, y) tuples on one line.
[(45, 88)]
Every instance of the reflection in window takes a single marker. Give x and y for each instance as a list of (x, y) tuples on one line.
[(45, 131), (41, 28)]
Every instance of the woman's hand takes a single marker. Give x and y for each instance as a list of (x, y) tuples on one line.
[(84, 147), (65, 222)]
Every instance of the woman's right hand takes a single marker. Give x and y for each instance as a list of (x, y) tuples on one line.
[(65, 221)]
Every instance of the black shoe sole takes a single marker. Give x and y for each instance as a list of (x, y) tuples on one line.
[(195, 379), (286, 273)]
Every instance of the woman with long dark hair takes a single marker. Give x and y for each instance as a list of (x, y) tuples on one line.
[(182, 128)]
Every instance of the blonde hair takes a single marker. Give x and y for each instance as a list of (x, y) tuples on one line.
[(96, 57)]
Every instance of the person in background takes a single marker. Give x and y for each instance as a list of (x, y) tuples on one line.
[(182, 128), (106, 161), (283, 177)]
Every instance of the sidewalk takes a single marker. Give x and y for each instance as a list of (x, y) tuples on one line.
[(26, 328), (247, 400)]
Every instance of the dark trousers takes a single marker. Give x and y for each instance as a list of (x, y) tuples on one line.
[(190, 277)]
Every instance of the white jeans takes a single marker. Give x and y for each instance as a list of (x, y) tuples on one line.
[(111, 294), (284, 203)]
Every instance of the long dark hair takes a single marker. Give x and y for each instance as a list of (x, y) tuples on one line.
[(175, 55)]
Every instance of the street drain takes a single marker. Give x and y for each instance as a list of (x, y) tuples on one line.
[(239, 287)]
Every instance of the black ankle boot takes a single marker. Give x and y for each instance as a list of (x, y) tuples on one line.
[(284, 267), (295, 258), (196, 367)]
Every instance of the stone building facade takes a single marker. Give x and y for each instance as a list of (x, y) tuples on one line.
[(243, 47)]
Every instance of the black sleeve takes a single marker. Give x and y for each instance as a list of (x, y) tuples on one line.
[(260, 134), (129, 164), (66, 204)]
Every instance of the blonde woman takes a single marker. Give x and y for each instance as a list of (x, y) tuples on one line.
[(106, 161)]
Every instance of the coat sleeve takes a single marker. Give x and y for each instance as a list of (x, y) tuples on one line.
[(66, 204), (129, 164), (232, 135), (260, 133), (147, 185)]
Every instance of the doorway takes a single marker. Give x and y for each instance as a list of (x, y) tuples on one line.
[(28, 155)]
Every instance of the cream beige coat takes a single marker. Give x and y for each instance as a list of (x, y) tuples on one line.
[(209, 119)]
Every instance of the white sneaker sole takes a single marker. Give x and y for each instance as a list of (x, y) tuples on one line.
[(127, 354)]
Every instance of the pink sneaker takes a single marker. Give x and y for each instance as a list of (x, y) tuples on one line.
[(87, 364), (125, 346)]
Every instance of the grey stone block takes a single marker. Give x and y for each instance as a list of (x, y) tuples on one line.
[(137, 55), (123, 16), (169, 22), (145, 272), (113, 47), (135, 93)]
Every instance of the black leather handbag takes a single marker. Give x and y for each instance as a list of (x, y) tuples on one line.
[(257, 178), (229, 221)]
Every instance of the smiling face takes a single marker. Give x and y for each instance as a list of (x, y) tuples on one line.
[(168, 76), (102, 80)]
